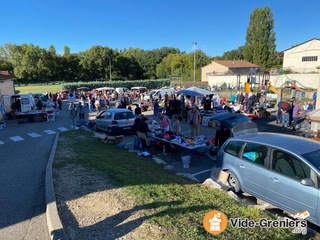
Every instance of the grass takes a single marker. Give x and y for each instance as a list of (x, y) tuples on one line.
[(177, 204), (39, 89)]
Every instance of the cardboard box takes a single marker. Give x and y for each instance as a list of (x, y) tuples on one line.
[(118, 139), (212, 124)]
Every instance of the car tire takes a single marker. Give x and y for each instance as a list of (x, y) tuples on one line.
[(234, 183)]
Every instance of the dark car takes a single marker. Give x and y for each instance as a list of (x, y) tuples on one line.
[(230, 125)]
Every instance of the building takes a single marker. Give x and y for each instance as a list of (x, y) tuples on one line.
[(6, 83), (226, 67), (302, 58)]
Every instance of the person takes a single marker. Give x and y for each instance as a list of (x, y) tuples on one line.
[(194, 119), (59, 100), (176, 126), (137, 110), (284, 113), (156, 107), (97, 104), (164, 122), (279, 117), (143, 127), (136, 139), (295, 115), (39, 104), (81, 111)]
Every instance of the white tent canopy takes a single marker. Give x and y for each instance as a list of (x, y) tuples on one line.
[(195, 91)]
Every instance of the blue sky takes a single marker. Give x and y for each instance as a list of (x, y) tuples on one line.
[(216, 26)]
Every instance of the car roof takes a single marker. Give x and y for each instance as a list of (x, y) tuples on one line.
[(227, 115), (295, 144), (117, 110)]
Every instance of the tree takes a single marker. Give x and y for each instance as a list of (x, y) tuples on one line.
[(260, 39)]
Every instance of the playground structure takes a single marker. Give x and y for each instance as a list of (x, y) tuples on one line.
[(293, 86), (254, 78)]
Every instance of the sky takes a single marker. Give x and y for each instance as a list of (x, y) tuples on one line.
[(216, 26)]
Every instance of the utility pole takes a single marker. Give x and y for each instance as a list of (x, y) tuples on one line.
[(110, 66), (194, 60)]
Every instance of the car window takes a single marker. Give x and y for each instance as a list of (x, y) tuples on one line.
[(289, 165), (313, 158), (254, 152), (233, 147), (119, 116), (108, 115), (102, 115)]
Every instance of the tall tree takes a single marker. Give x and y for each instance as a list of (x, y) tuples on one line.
[(260, 38)]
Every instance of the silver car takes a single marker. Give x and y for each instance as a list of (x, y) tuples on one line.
[(116, 120), (280, 169)]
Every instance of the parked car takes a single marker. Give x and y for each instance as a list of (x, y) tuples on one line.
[(230, 125), (116, 120), (283, 170), (36, 97)]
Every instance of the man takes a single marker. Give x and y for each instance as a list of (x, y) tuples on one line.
[(194, 119), (137, 110), (295, 115), (285, 113)]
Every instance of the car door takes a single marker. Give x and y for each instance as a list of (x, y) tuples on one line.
[(100, 120), (253, 161), (284, 188)]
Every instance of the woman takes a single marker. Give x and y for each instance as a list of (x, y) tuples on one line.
[(164, 122), (176, 126)]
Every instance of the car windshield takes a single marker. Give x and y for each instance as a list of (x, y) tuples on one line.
[(313, 158)]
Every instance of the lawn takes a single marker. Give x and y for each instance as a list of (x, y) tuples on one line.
[(39, 88), (179, 204)]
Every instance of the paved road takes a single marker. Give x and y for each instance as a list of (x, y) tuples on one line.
[(24, 150)]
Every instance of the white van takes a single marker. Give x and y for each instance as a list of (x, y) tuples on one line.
[(156, 93), (121, 89), (18, 102)]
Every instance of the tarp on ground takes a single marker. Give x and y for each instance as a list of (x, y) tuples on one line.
[(195, 91)]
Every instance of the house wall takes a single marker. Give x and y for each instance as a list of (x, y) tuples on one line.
[(212, 69), (292, 58), (304, 80), (7, 87)]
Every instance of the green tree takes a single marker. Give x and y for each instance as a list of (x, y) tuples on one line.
[(260, 38), (237, 54)]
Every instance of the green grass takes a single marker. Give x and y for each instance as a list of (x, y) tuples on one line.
[(177, 204), (39, 89)]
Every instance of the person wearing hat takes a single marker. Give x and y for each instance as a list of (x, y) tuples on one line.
[(194, 119)]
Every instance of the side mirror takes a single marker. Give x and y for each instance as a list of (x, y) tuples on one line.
[(307, 182)]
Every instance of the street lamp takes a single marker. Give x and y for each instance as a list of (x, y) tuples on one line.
[(194, 61)]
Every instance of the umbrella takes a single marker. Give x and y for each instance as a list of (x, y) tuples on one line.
[(82, 88), (104, 88), (195, 91)]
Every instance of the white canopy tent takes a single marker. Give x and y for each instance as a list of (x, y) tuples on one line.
[(195, 91)]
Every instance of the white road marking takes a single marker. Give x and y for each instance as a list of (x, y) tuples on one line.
[(1, 142), (62, 129), (34, 135), (50, 132), (75, 127), (16, 138), (204, 171)]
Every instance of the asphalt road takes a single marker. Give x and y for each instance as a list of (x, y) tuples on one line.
[(24, 152)]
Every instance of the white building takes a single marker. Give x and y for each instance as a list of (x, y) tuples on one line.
[(303, 58)]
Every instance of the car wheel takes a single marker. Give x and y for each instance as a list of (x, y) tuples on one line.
[(234, 183)]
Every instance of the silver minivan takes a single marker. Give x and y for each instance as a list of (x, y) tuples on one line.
[(283, 170)]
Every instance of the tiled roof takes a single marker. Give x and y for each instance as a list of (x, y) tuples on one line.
[(4, 75), (236, 63)]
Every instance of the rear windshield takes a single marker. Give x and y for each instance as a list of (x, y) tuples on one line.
[(233, 121), (124, 115), (313, 158)]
